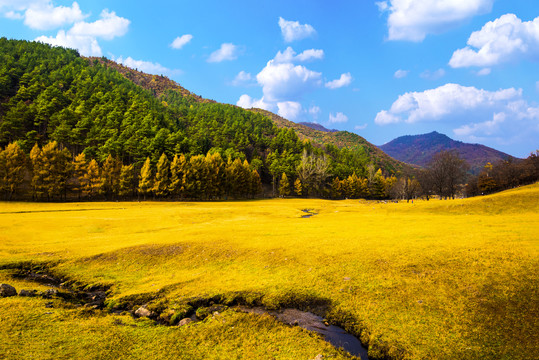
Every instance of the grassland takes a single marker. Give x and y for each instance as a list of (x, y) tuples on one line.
[(424, 280)]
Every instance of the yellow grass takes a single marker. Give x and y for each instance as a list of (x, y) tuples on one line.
[(429, 280)]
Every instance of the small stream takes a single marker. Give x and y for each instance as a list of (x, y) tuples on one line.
[(335, 335)]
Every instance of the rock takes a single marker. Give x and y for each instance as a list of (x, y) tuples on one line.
[(185, 321), (28, 293), (7, 290), (143, 312), (49, 305), (347, 278), (47, 294), (319, 357)]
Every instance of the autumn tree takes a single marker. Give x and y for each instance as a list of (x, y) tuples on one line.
[(145, 179), (110, 177), (298, 189), (80, 168), (446, 171), (12, 169), (284, 186), (162, 177), (127, 180), (92, 180)]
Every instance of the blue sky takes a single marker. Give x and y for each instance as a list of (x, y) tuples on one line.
[(382, 69)]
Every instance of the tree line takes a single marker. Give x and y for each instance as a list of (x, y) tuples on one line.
[(51, 173), (504, 175)]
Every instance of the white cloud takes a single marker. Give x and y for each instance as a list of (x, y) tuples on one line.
[(502, 40), (289, 55), (108, 27), (360, 127), (432, 75), (145, 66), (314, 111), (344, 80), (227, 51), (435, 104), (293, 30), (83, 36), (488, 127), (243, 79), (399, 74), (13, 15), (413, 19), (247, 102), (501, 116), (286, 82), (311, 54), (484, 72), (86, 45), (338, 118), (181, 41), (47, 16), (289, 109)]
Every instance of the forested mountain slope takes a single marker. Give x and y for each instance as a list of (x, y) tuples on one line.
[(340, 139), (99, 108), (419, 149)]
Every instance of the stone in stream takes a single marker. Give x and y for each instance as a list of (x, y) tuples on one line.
[(28, 293), (7, 290)]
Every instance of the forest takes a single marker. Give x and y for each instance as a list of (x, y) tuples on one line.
[(74, 128)]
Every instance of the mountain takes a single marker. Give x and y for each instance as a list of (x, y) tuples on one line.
[(316, 126), (419, 149)]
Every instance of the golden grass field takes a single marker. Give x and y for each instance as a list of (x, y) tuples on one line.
[(435, 279)]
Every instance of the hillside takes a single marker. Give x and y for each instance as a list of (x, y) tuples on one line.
[(339, 139), (97, 107), (419, 149)]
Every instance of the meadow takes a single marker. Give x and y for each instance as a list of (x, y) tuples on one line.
[(454, 279)]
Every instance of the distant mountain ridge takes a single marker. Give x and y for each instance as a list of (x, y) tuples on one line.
[(317, 127), (419, 150)]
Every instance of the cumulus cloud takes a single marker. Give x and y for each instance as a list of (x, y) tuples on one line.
[(399, 74), (86, 45), (475, 114), (46, 16), (243, 79), (289, 55), (226, 52), (286, 82), (83, 36), (289, 109), (247, 102), (293, 30), (432, 75), (434, 104), (337, 118), (412, 20), (344, 80), (181, 41), (505, 39), (108, 27), (146, 66)]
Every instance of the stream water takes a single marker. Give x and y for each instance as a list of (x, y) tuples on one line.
[(335, 335)]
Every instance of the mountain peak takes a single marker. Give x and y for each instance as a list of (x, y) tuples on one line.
[(419, 149)]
